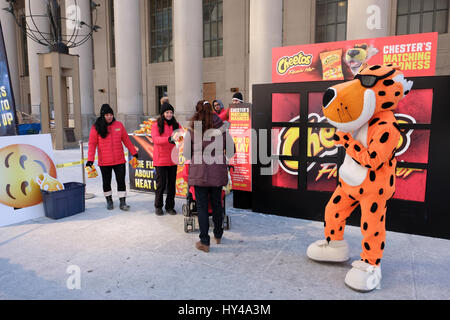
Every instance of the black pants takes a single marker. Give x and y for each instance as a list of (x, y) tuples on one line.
[(119, 171), (165, 177), (203, 195)]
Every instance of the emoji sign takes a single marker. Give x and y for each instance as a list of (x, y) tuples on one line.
[(20, 164)]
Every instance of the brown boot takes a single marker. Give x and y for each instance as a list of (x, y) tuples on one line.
[(201, 246), (218, 240)]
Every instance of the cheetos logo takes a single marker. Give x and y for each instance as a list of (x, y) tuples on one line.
[(320, 141)]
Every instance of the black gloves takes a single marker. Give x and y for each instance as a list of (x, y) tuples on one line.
[(89, 164), (171, 140)]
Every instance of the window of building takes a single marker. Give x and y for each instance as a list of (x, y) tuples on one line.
[(419, 16), (212, 28), (161, 91), (331, 20), (161, 48), (112, 38)]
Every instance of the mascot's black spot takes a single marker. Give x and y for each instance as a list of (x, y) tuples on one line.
[(371, 123), (390, 163), (382, 245), (350, 196), (397, 93), (387, 105), (335, 137), (384, 137), (378, 261), (376, 67), (388, 82), (346, 145), (382, 93), (376, 234), (339, 184), (355, 203), (7, 159), (391, 181), (365, 226), (8, 191), (337, 199), (340, 228), (368, 166), (372, 176), (366, 245), (406, 92), (373, 155), (381, 191), (382, 122), (332, 232), (380, 166), (357, 148), (337, 215), (346, 137), (23, 187), (328, 239), (382, 218), (374, 207), (366, 261), (361, 191)]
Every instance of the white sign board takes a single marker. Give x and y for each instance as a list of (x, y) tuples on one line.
[(22, 159)]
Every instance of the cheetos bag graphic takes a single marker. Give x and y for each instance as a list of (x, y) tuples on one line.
[(91, 172), (48, 183)]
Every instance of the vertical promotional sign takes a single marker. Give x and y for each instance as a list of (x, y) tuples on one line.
[(241, 162), (8, 121), (143, 177), (415, 54)]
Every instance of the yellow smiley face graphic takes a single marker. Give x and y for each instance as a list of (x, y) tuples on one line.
[(19, 165)]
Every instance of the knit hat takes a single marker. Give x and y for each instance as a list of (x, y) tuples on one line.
[(238, 96), (105, 109), (166, 107)]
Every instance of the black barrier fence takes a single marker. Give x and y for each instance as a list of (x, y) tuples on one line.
[(309, 165)]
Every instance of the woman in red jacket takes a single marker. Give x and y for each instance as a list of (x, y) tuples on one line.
[(107, 135), (164, 160)]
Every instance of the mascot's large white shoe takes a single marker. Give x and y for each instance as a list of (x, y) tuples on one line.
[(333, 251), (363, 277)]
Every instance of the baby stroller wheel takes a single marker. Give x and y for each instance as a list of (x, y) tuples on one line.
[(186, 225), (185, 210), (227, 223)]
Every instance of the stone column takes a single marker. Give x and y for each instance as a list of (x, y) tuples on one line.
[(82, 12), (128, 62), (266, 31), (188, 55), (36, 8), (9, 35), (368, 19)]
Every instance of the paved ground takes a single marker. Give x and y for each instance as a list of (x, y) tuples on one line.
[(138, 255)]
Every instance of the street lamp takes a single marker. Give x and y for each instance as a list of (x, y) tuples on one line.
[(55, 39)]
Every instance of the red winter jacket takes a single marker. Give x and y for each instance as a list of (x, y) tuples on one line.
[(224, 114), (110, 149), (162, 148)]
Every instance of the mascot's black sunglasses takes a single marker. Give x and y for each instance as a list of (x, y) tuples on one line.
[(368, 80)]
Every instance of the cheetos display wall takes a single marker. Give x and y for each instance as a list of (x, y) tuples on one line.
[(308, 161)]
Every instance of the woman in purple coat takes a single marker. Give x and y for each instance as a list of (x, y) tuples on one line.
[(208, 168)]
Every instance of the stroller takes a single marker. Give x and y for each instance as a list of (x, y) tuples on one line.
[(189, 209)]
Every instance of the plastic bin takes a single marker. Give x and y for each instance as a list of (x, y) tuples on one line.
[(29, 128), (64, 203)]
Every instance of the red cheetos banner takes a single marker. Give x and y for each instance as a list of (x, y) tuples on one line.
[(415, 54)]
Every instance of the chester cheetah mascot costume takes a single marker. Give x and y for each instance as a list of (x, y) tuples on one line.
[(362, 112)]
